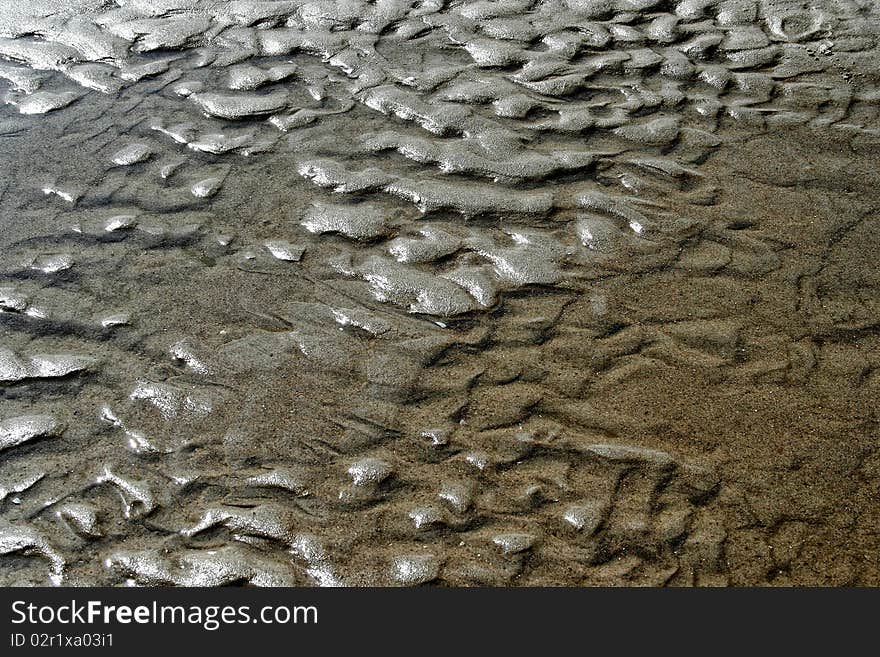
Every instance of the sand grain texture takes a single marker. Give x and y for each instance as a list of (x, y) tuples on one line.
[(463, 293)]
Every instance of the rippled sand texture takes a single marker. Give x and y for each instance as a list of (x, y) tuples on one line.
[(506, 293)]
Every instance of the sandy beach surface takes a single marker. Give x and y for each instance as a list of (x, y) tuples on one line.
[(514, 293)]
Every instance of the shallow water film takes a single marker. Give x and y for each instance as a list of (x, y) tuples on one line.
[(566, 292)]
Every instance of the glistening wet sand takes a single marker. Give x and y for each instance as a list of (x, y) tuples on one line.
[(505, 293)]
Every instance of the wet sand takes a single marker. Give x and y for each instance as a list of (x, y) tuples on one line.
[(478, 293)]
